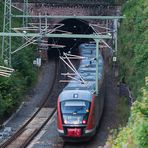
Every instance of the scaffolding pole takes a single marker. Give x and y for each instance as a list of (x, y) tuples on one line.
[(6, 40), (25, 12), (97, 66), (115, 34)]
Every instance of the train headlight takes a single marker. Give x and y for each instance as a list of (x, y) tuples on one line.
[(65, 121), (87, 110), (83, 121)]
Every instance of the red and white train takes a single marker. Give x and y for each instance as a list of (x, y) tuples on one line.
[(79, 109)]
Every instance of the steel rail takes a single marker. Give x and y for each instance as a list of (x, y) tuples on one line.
[(34, 134)]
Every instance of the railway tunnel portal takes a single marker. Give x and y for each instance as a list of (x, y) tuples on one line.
[(70, 26)]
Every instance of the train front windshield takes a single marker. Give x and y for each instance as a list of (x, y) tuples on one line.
[(75, 112)]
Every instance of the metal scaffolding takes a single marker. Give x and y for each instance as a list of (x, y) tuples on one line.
[(43, 31), (6, 40)]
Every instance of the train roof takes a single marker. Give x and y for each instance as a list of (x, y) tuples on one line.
[(87, 70), (76, 95)]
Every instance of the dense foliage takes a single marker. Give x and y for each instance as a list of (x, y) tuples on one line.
[(133, 55), (133, 44), (12, 89)]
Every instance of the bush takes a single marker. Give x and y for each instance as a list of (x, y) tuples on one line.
[(136, 132)]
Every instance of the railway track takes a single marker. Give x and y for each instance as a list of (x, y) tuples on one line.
[(35, 124), (27, 133)]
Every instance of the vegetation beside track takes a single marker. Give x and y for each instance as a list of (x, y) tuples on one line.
[(133, 56), (12, 89)]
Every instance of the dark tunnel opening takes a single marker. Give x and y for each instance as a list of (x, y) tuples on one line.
[(72, 26)]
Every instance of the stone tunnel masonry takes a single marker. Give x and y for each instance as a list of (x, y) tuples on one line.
[(42, 9)]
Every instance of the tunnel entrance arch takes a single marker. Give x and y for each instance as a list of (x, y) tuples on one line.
[(70, 26)]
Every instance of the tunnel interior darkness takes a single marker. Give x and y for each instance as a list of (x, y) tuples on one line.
[(73, 26)]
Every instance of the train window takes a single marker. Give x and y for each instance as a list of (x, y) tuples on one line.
[(75, 112), (72, 119), (75, 107), (74, 103)]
